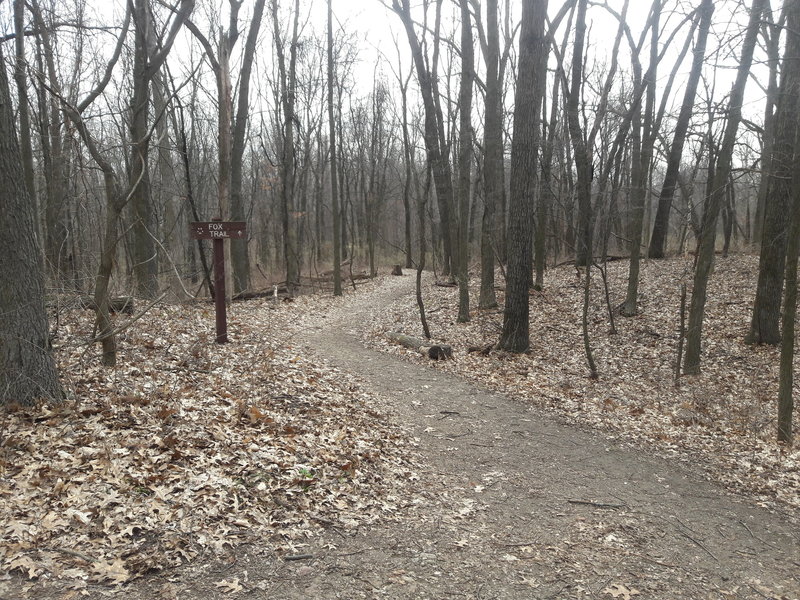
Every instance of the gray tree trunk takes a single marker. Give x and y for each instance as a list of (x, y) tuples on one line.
[(288, 81), (583, 162), (493, 158), (240, 257), (786, 380), (658, 240), (437, 149), (773, 61), (337, 218), (21, 78), (708, 234), (765, 321), (27, 369), (464, 160), (642, 158), (515, 336), (145, 256)]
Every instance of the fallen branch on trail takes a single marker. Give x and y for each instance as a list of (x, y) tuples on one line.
[(597, 504), (432, 351)]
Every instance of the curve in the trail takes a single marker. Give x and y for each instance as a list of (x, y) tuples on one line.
[(522, 507)]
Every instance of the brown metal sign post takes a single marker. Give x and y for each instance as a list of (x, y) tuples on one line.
[(218, 231)]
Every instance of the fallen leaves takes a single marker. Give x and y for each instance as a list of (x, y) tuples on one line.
[(617, 590), (233, 586), (190, 446)]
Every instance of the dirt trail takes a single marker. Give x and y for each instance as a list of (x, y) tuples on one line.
[(522, 507), (515, 506)]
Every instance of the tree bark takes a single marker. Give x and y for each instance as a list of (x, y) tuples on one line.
[(437, 150), (786, 378), (27, 368), (145, 256), (464, 160), (21, 79), (493, 158), (240, 257), (337, 226), (515, 336), (54, 155), (773, 30), (708, 235), (658, 240), (583, 161), (765, 321), (642, 159)]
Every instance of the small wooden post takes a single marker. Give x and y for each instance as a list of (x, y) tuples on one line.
[(219, 231), (219, 288)]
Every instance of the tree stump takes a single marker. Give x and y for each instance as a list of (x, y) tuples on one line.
[(397, 270), (424, 347)]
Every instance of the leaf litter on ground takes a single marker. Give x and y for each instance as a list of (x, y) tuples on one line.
[(188, 447)]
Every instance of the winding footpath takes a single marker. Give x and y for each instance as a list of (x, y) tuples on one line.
[(519, 506)]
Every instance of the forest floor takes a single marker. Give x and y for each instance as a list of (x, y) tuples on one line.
[(312, 458)]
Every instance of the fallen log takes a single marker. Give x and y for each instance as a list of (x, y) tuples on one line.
[(424, 347), (269, 293), (120, 304), (484, 350)]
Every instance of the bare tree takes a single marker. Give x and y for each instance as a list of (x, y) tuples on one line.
[(27, 368), (493, 156), (438, 149), (765, 322), (464, 160), (515, 336), (150, 52), (791, 71), (716, 196), (287, 83), (334, 175), (231, 129), (658, 240)]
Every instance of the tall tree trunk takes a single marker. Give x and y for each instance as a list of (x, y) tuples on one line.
[(786, 378), (493, 158), (288, 82), (708, 235), (765, 321), (54, 154), (583, 161), (658, 240), (640, 175), (464, 160), (773, 30), (145, 256), (27, 368), (515, 336), (21, 79), (337, 218), (240, 257), (437, 150)]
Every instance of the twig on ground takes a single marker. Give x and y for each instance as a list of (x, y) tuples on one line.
[(597, 504)]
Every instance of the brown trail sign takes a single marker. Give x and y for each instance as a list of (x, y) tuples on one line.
[(214, 230), (219, 230)]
